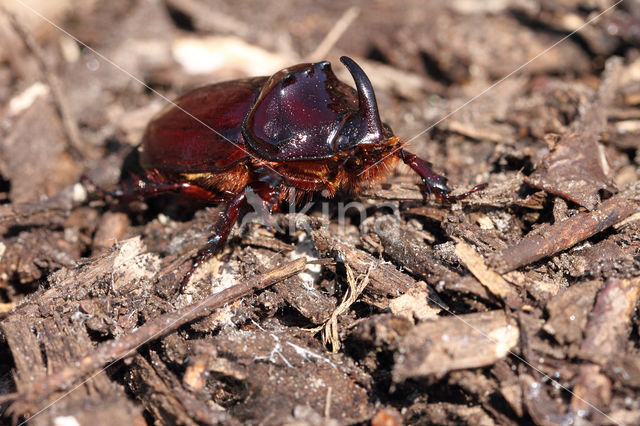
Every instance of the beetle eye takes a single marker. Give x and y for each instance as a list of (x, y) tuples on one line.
[(288, 79), (341, 143)]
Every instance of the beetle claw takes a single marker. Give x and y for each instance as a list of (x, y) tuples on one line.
[(223, 228), (89, 184), (433, 182), (451, 198)]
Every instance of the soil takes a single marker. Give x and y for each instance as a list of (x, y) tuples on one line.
[(516, 305)]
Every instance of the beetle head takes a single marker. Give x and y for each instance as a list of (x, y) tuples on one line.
[(305, 113)]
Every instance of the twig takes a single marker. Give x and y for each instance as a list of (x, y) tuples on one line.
[(75, 144), (327, 405), (334, 34), (561, 236), (112, 351), (385, 279), (209, 19)]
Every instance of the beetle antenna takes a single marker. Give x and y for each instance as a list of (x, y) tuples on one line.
[(366, 96)]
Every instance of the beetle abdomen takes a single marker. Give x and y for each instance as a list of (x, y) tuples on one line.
[(178, 142)]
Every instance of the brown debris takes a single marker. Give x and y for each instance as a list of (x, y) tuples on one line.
[(576, 167), (112, 351), (111, 229), (454, 343), (384, 279), (98, 401), (592, 390), (569, 311), (509, 386), (387, 417), (497, 285), (552, 239), (407, 248), (574, 170), (267, 371), (543, 409), (472, 87), (30, 166), (447, 413), (164, 396), (414, 304), (383, 331), (301, 291), (608, 326), (74, 144), (606, 334), (6, 307), (69, 197)]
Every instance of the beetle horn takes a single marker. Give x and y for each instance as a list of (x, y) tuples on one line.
[(366, 97)]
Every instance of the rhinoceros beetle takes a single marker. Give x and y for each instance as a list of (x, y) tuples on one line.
[(301, 129)]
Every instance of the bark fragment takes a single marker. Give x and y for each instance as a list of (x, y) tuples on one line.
[(436, 347)]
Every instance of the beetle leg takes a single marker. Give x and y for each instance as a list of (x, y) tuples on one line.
[(144, 189), (433, 182), (270, 205), (269, 188), (222, 229)]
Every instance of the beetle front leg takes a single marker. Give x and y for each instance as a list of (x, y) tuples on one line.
[(433, 182), (269, 187), (223, 228)]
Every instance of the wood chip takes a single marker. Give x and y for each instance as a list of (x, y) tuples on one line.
[(552, 239), (493, 281), (466, 341), (414, 305), (609, 324)]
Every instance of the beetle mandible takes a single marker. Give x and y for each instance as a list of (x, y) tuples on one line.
[(301, 129)]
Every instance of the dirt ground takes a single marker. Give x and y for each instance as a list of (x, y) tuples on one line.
[(516, 305)]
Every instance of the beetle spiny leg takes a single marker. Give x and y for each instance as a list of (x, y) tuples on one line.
[(216, 241), (433, 182)]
